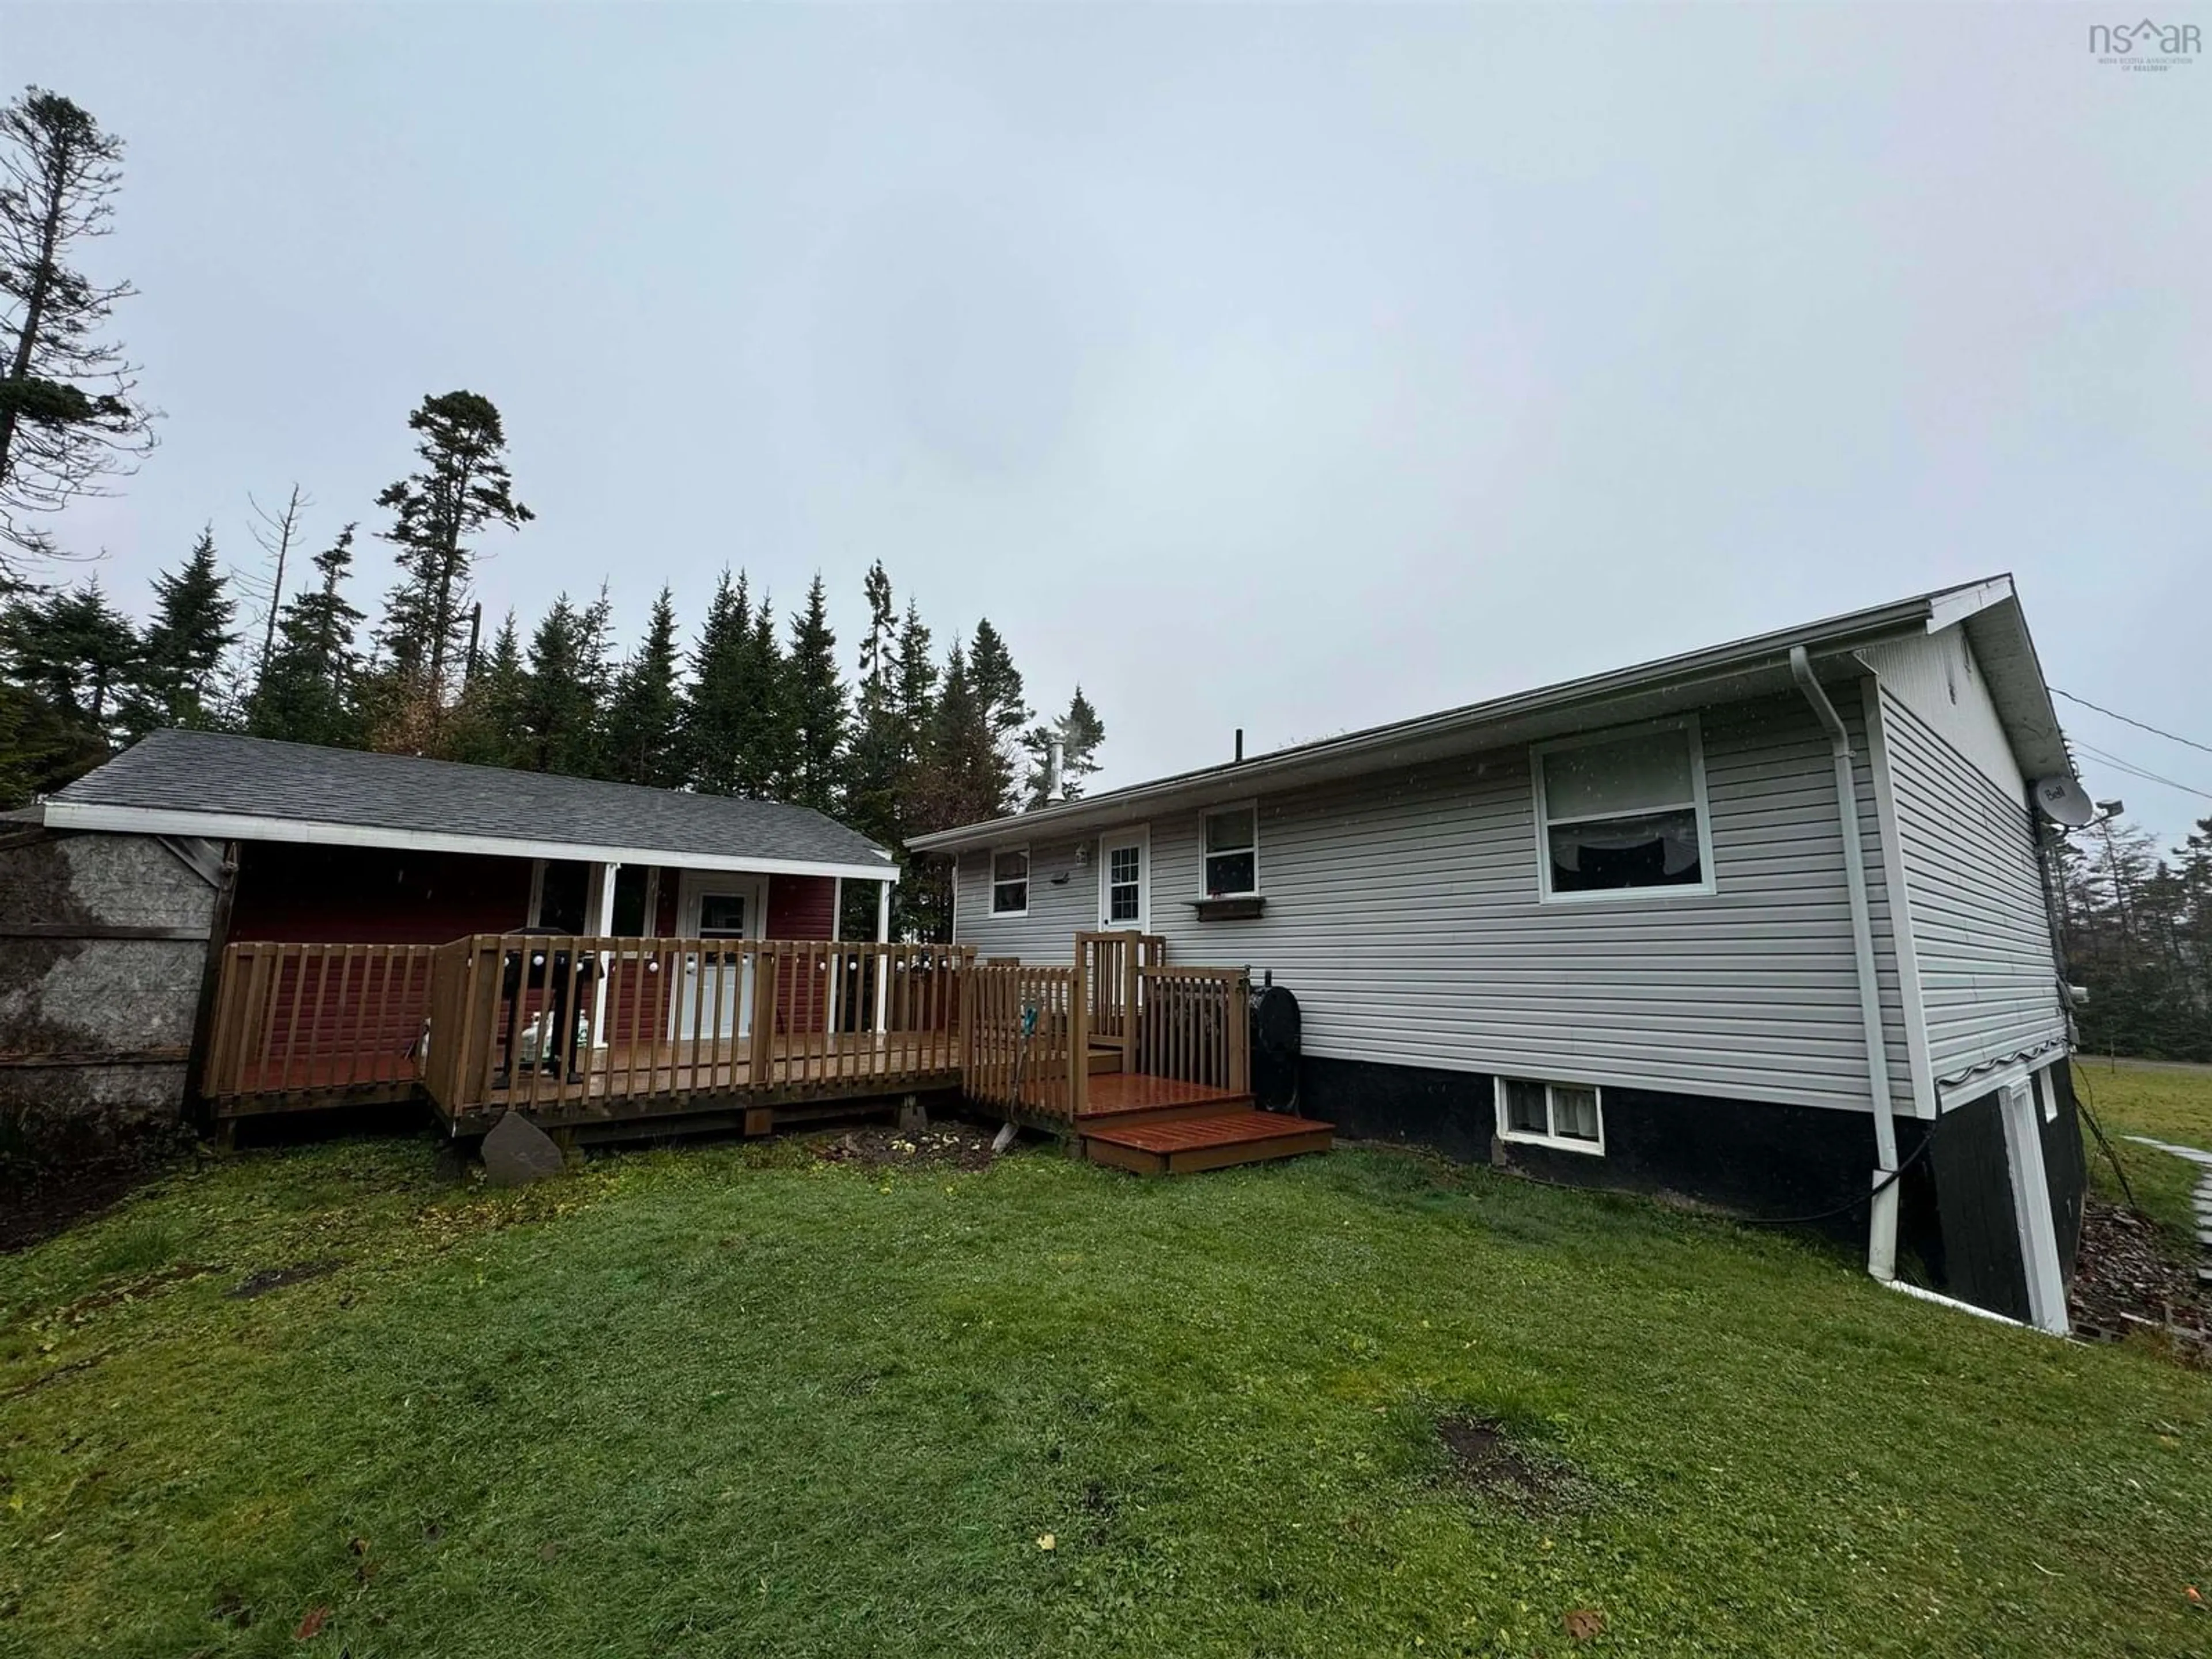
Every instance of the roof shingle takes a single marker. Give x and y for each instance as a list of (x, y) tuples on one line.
[(215, 772)]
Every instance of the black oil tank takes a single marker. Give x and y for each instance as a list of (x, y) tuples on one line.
[(1274, 1048)]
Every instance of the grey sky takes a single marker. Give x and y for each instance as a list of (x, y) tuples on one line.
[(1292, 369)]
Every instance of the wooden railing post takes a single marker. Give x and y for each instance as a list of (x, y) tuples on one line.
[(768, 969), (1078, 1040), (1240, 1035)]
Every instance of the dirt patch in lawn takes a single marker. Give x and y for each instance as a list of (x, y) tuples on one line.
[(275, 1279), (2126, 1283), (949, 1144), (1487, 1462), (36, 1203)]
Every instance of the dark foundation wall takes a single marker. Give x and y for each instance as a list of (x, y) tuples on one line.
[(2065, 1165), (1752, 1156), (374, 896)]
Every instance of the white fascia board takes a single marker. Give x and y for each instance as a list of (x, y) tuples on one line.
[(239, 826), (1961, 603)]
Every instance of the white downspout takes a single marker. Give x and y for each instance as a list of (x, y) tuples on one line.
[(1881, 1232)]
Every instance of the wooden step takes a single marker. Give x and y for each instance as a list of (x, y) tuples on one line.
[(1103, 1061), (1186, 1146)]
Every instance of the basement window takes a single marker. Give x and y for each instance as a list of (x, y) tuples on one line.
[(1009, 883), (1232, 853), (1568, 1116), (1623, 812)]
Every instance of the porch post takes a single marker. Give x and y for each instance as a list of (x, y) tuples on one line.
[(883, 958), (600, 907)]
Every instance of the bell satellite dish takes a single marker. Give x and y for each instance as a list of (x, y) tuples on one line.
[(2065, 801)]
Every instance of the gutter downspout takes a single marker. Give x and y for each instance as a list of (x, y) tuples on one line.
[(1881, 1232)]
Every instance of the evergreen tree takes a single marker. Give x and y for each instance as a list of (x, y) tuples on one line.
[(768, 740), (68, 657), (644, 710), (816, 698), (486, 729), (183, 645), (1080, 732), (307, 693), (712, 722), (997, 686), (563, 690), (69, 414), (960, 776), (460, 486)]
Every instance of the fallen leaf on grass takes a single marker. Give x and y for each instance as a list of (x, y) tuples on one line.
[(312, 1626), (1584, 1623), (1047, 1541)]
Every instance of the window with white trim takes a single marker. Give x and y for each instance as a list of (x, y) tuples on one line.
[(1570, 1115), (1232, 852), (1009, 881), (1623, 812)]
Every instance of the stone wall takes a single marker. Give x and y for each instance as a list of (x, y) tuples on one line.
[(103, 942)]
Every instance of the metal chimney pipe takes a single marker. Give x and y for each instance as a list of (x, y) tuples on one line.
[(1055, 762), (1240, 743)]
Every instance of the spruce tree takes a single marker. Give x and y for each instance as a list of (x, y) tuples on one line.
[(645, 708), (70, 656), (69, 411), (563, 689), (998, 686), (1080, 732), (486, 728), (307, 693), (460, 485), (767, 742), (816, 697), (183, 645), (712, 726)]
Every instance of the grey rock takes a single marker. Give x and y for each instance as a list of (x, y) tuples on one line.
[(517, 1153)]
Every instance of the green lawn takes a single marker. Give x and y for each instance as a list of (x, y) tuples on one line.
[(2131, 1098), (733, 1401)]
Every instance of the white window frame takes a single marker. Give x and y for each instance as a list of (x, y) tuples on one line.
[(1529, 1138), (991, 877), (1251, 806), (1705, 888), (1140, 837)]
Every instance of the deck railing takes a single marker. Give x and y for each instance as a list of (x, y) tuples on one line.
[(1196, 1026), (1111, 963), (1027, 1051), (567, 1024), (293, 1019)]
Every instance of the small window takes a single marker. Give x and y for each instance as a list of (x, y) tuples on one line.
[(1232, 852), (1009, 883), (1564, 1115), (1125, 891), (1623, 812), (563, 894)]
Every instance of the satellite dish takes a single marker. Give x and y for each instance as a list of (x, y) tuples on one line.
[(2065, 801)]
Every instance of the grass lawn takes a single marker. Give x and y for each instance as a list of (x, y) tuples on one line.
[(2170, 1104), (734, 1400)]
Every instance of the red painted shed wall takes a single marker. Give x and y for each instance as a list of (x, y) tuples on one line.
[(374, 896), (802, 906)]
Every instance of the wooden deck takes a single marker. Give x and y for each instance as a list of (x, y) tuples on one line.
[(1137, 1063)]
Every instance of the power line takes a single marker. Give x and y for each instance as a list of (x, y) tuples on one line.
[(2141, 726), (2135, 771)]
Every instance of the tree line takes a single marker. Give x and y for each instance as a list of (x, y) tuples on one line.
[(749, 704), (2137, 929)]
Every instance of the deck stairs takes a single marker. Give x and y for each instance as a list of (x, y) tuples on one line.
[(1156, 1126)]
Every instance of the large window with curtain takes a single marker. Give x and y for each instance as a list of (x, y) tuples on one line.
[(1623, 812)]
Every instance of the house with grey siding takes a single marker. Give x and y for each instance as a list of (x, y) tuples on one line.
[(1764, 925)]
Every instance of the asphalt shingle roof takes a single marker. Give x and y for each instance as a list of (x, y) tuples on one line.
[(215, 772)]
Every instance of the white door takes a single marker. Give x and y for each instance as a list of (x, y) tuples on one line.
[(1124, 880), (710, 908)]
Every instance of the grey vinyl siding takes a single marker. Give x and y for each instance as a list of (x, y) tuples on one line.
[(1981, 933), (1402, 909), (1063, 902)]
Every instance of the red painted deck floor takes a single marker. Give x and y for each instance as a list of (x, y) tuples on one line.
[(1112, 1092), (1191, 1133)]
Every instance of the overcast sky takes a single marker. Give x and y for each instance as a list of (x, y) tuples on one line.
[(1289, 369)]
